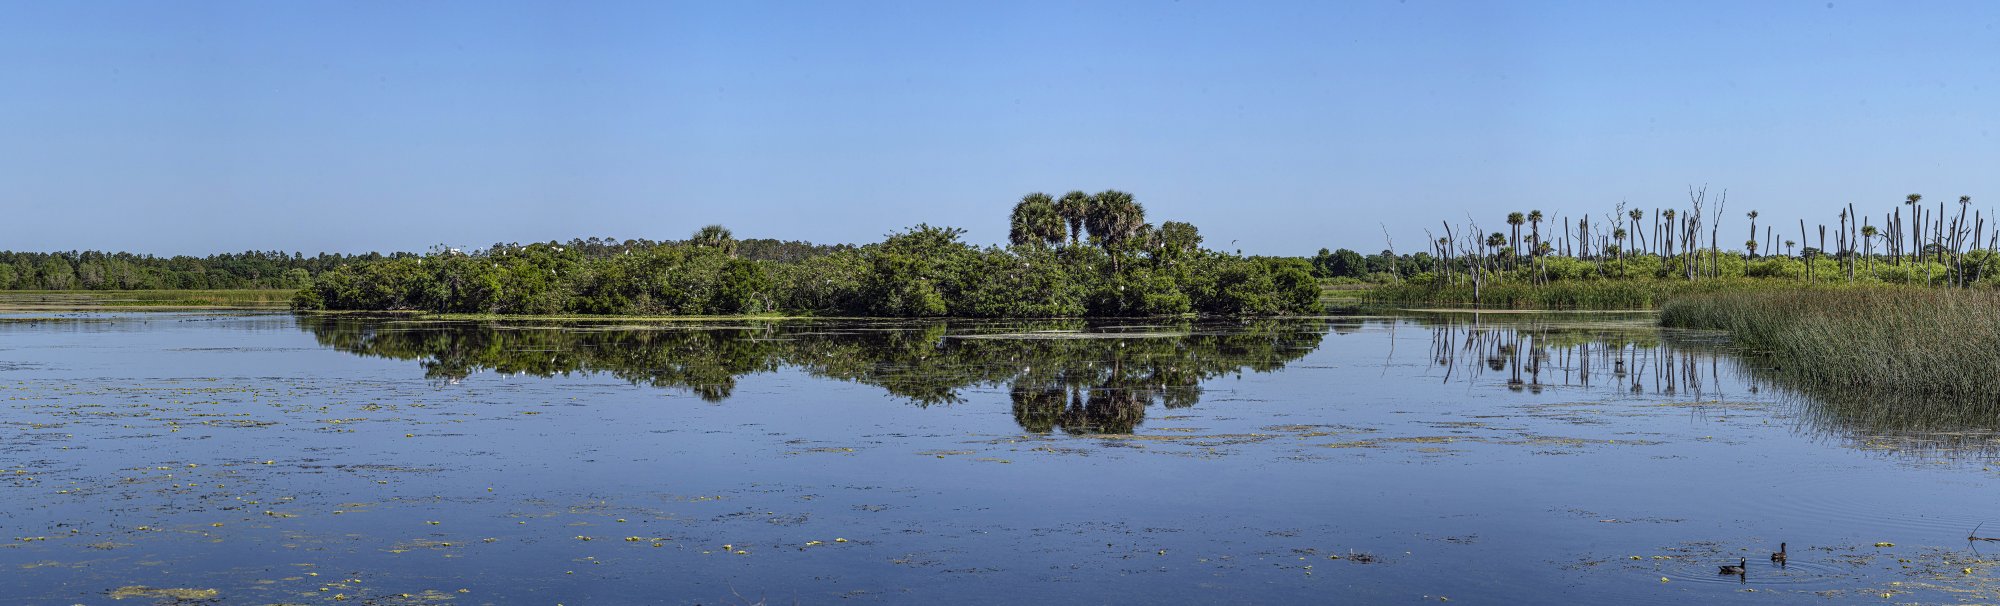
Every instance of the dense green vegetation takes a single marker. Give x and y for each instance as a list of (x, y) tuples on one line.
[(1916, 341), (1086, 381), (93, 270), (73, 300), (1079, 255), (1631, 258)]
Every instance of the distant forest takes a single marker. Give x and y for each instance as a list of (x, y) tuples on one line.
[(96, 270)]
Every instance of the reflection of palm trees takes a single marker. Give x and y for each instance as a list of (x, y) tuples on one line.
[(1106, 410), (1038, 409)]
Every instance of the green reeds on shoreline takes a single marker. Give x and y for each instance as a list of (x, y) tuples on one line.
[(1909, 340), (246, 298), (1592, 294)]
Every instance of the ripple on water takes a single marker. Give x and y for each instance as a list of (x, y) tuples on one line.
[(1831, 498), (1800, 573)]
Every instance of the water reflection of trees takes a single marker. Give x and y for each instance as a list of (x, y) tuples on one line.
[(1537, 354), (1533, 354), (1073, 376)]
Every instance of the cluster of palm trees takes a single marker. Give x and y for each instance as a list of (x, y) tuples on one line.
[(1111, 218)]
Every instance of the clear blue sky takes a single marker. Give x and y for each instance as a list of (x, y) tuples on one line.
[(196, 127)]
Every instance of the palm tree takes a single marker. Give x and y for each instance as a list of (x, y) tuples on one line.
[(1788, 247), (1035, 222), (1636, 215), (1669, 214), (1514, 220), (1073, 208), (1753, 232), (1618, 235), (1114, 220), (1750, 245), (1535, 225), (1916, 228), (715, 236)]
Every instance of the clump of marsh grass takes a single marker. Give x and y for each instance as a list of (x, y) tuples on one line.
[(1913, 341), (1583, 294)]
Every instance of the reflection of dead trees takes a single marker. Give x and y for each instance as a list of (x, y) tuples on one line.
[(1535, 355), (1700, 372)]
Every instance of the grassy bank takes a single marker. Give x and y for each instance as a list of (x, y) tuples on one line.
[(258, 298), (1917, 341), (1595, 294)]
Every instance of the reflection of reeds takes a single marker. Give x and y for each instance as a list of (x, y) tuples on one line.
[(1537, 353), (1917, 342), (1887, 420)]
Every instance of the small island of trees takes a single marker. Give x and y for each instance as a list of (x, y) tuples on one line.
[(1076, 255)]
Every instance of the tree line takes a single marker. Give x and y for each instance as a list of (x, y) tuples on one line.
[(1075, 255), (95, 270)]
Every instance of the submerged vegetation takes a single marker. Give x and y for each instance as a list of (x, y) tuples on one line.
[(1077, 255), (1914, 341), (1635, 258)]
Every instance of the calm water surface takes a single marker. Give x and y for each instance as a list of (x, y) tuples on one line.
[(1484, 459)]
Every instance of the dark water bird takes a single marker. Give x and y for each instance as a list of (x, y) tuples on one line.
[(1779, 556), (1741, 565)]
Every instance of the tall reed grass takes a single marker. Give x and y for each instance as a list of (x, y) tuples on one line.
[(1910, 340)]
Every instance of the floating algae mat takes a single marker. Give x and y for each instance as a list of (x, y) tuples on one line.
[(150, 593), (265, 458)]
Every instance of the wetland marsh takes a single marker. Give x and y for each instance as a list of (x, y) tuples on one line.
[(269, 458)]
